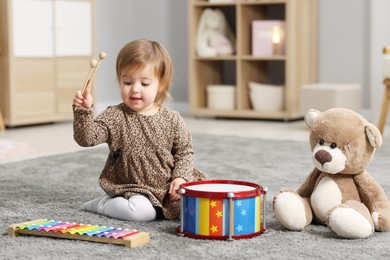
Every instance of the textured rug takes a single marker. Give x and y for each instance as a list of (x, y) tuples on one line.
[(55, 187)]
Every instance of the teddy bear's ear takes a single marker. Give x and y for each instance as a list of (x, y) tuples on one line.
[(311, 116), (374, 135)]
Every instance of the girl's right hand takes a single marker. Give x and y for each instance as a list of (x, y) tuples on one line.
[(84, 101)]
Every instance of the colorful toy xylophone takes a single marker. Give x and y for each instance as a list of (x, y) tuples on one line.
[(59, 229)]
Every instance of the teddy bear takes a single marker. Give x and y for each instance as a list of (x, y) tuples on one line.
[(214, 36), (339, 192)]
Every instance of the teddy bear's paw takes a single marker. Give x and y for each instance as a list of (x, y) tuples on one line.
[(289, 210), (349, 223), (381, 223), (375, 219)]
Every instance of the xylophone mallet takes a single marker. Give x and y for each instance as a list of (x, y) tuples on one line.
[(94, 66)]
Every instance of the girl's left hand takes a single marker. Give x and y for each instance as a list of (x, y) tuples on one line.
[(174, 187)]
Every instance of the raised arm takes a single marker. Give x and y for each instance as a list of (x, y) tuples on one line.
[(86, 130)]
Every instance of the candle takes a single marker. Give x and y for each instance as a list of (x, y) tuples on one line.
[(276, 39), (386, 62)]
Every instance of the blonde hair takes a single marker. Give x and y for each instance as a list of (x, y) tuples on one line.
[(138, 54)]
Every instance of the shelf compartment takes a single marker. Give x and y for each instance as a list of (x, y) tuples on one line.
[(270, 72), (248, 14), (229, 11), (210, 72)]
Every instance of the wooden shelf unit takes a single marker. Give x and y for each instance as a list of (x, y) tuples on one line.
[(45, 51), (297, 67)]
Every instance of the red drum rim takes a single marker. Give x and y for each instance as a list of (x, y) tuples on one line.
[(257, 191), (196, 236)]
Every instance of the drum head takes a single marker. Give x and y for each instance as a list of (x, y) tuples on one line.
[(220, 189)]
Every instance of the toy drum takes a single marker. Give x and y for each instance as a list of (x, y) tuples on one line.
[(222, 209)]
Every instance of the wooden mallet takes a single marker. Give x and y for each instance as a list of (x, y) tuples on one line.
[(94, 65)]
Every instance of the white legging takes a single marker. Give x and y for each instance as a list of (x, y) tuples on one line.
[(136, 208)]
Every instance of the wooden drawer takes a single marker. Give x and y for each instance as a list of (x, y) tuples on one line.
[(72, 72), (30, 105), (33, 75), (71, 76)]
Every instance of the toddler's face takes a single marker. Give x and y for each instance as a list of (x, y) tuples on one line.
[(139, 90)]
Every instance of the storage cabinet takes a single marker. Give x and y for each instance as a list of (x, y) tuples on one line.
[(46, 47), (296, 66)]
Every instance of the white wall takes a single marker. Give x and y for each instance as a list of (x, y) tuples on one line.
[(125, 20), (343, 42), (352, 34), (379, 37)]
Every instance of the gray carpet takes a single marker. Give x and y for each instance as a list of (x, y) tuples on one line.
[(55, 187)]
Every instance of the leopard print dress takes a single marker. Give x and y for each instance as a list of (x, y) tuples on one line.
[(146, 152)]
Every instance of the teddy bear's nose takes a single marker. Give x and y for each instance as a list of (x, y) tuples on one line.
[(323, 157)]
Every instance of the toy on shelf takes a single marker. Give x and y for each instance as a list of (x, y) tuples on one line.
[(214, 37)]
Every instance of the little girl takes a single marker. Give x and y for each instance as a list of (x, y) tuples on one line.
[(150, 146)]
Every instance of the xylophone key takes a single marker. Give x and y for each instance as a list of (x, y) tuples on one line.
[(126, 233), (34, 225), (68, 228), (47, 226), (108, 233), (75, 229), (99, 230), (57, 227), (85, 230)]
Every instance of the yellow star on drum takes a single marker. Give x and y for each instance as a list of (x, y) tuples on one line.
[(214, 229)]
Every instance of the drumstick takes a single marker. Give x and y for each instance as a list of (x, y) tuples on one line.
[(94, 66), (102, 55)]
